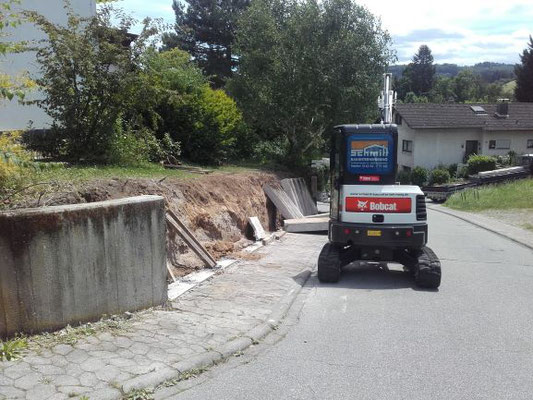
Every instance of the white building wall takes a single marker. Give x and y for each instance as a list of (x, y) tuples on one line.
[(405, 159), (433, 147), (13, 115), (518, 142)]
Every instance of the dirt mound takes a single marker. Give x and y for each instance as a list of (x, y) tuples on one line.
[(215, 207)]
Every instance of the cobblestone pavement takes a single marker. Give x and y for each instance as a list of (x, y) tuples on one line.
[(155, 344)]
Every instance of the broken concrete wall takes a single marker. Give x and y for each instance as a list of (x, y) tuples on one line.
[(70, 264)]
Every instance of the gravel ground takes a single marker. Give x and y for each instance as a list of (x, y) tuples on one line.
[(522, 218)]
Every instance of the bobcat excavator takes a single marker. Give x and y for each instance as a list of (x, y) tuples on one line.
[(373, 219)]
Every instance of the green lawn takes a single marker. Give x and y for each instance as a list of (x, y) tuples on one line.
[(517, 194), (87, 173)]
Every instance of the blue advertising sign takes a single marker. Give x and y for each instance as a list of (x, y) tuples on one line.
[(370, 154)]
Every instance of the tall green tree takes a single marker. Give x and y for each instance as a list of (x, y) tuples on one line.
[(422, 71), (206, 29), (524, 75), (306, 66)]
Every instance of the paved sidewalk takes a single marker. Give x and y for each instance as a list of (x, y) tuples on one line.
[(215, 320), (516, 234)]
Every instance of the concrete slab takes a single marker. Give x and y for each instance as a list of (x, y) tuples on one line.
[(297, 190), (306, 224), (259, 232), (287, 208)]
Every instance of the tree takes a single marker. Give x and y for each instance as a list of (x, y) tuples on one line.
[(524, 75), (422, 71), (205, 121), (11, 86), (89, 77), (467, 87), (306, 66), (443, 90), (206, 29)]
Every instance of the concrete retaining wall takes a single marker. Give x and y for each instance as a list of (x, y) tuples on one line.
[(70, 264)]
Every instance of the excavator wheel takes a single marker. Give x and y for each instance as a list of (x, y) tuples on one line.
[(329, 264), (427, 272)]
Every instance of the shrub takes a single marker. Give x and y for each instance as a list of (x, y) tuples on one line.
[(452, 169), (404, 177), (419, 176), (479, 163), (14, 162), (462, 173), (439, 176)]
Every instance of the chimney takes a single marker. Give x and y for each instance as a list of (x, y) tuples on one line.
[(502, 108)]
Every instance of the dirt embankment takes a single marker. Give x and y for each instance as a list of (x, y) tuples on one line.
[(215, 207)]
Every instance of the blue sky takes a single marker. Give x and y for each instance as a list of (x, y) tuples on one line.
[(457, 31)]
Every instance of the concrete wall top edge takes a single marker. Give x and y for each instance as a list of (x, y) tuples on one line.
[(81, 206)]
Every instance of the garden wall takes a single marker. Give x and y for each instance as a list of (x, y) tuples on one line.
[(70, 264)]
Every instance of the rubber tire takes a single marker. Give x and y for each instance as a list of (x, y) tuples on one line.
[(329, 264), (428, 270)]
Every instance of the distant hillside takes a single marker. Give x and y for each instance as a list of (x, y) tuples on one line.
[(489, 71)]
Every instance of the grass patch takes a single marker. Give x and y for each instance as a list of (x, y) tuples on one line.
[(71, 335), (528, 226), (140, 394), (88, 173), (12, 349), (517, 195)]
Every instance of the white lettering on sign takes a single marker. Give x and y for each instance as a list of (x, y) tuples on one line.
[(382, 207)]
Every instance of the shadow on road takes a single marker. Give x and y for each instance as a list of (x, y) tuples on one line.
[(374, 277)]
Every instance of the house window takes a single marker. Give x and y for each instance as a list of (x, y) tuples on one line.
[(502, 144), (530, 143), (407, 146)]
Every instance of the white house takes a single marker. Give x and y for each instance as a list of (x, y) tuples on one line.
[(433, 134), (13, 115)]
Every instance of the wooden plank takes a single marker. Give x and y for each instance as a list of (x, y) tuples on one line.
[(189, 233), (191, 241), (170, 273), (306, 224), (283, 203), (297, 190)]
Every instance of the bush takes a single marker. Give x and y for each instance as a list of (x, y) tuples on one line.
[(404, 177), (478, 163), (462, 173), (419, 176), (439, 176), (452, 169), (14, 162)]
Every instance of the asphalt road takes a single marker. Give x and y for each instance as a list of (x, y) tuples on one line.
[(375, 336)]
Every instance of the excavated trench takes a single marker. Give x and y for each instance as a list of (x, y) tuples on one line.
[(214, 207)]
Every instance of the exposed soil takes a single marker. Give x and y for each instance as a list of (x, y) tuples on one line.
[(215, 208)]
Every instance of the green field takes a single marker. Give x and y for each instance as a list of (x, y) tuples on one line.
[(517, 195)]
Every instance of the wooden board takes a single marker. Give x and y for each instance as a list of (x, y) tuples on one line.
[(298, 192), (283, 203), (174, 223)]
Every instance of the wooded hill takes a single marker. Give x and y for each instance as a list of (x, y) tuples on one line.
[(489, 72)]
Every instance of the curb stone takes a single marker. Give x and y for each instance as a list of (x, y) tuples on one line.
[(208, 359), (510, 232)]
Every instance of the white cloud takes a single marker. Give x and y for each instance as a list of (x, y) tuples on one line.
[(471, 30), (491, 30)]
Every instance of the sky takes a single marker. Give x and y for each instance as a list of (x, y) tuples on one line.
[(462, 32)]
